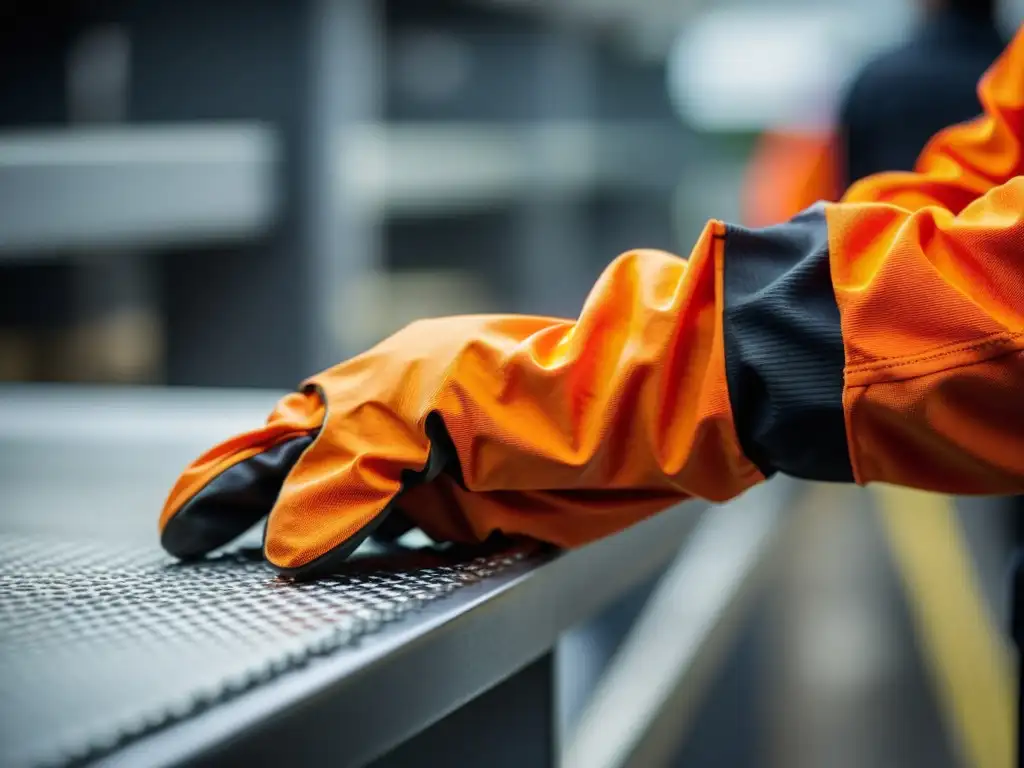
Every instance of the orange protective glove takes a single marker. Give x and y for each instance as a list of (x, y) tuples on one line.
[(877, 339), (555, 430)]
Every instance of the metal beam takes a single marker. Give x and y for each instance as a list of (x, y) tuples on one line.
[(132, 187), (640, 710)]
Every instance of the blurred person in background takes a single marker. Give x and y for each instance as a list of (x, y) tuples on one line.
[(902, 98), (892, 107)]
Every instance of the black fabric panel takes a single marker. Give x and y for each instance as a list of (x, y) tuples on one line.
[(784, 349), (232, 502)]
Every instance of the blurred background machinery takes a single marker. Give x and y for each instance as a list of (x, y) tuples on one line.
[(197, 194)]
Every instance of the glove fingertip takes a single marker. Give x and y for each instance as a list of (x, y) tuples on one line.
[(331, 562), (231, 503)]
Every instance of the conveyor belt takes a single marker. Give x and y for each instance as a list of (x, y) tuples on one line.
[(100, 645)]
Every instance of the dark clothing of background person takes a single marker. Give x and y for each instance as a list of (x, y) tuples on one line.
[(901, 99)]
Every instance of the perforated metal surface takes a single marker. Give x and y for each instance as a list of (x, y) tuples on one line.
[(99, 645)]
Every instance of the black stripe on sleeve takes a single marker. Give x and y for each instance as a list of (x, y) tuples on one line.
[(784, 349)]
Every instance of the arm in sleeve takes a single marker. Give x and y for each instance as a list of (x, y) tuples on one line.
[(877, 339), (895, 351)]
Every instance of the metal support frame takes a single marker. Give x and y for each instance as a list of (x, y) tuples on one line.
[(640, 712), (275, 311), (336, 234), (551, 229), (510, 726), (231, 310), (257, 178)]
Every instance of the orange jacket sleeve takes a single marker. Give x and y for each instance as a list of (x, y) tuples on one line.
[(916, 298), (928, 272), (880, 338), (558, 430)]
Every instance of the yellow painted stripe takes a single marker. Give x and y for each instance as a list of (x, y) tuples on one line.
[(969, 660)]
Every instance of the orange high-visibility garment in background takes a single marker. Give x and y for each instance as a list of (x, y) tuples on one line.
[(876, 339), (789, 171)]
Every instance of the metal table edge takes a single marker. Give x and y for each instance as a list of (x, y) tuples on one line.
[(346, 704)]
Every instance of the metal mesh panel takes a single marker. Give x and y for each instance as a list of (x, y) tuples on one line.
[(99, 645)]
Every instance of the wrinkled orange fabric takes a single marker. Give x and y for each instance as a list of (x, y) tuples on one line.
[(928, 270), (565, 431)]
